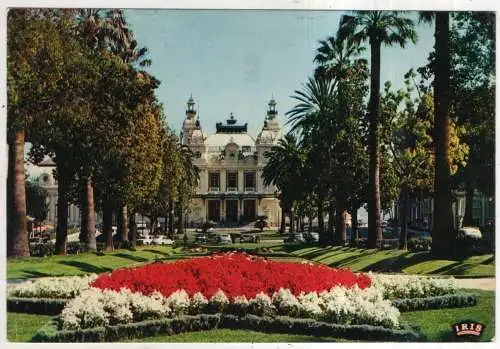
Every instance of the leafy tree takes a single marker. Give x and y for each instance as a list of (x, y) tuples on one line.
[(36, 204), (40, 50), (411, 143), (376, 27)]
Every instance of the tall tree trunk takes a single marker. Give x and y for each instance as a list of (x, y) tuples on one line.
[(309, 226), (180, 227), (17, 234), (354, 224), (62, 211), (331, 224), (121, 226), (404, 214), (443, 235), (323, 239), (87, 235), (171, 217), (340, 227), (374, 226), (132, 229), (283, 221), (291, 222), (107, 225), (469, 204)]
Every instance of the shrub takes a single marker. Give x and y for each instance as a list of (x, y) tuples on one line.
[(281, 324), (419, 244), (36, 305), (438, 302)]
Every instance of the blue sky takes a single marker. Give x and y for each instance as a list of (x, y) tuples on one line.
[(235, 60)]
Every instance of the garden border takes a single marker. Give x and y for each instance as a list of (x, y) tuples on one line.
[(54, 306), (187, 323), (41, 306), (453, 300)]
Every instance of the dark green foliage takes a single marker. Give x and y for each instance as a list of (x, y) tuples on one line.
[(47, 306), (204, 322), (458, 300), (419, 244)]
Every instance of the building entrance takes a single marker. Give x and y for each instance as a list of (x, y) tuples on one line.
[(231, 211), (214, 210), (249, 210)]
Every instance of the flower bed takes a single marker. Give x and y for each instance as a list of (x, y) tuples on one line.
[(52, 287), (236, 274), (339, 305), (237, 285)]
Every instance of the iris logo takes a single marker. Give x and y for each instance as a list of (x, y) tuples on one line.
[(468, 329)]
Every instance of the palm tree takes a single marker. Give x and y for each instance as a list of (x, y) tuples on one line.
[(283, 170), (442, 232), (376, 27)]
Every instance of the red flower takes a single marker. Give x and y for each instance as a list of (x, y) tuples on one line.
[(234, 273)]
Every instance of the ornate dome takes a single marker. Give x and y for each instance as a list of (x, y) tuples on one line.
[(266, 137), (189, 123), (197, 136)]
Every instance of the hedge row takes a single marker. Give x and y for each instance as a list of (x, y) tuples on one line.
[(55, 306), (457, 300), (203, 322), (45, 306)]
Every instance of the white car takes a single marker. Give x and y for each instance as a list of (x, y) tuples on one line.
[(162, 240), (224, 239), (145, 240)]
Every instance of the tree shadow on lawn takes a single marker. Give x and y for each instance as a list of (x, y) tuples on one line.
[(353, 259), (86, 267), (30, 273), (163, 253), (398, 263), (131, 257)]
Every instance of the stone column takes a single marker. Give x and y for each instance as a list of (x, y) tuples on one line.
[(241, 184)]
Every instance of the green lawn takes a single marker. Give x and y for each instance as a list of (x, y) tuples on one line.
[(85, 263), (226, 335), (396, 261), (21, 327), (392, 261), (435, 324)]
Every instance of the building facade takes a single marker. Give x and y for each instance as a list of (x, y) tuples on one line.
[(231, 190), (48, 182)]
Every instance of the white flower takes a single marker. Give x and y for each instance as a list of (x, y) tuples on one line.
[(178, 302), (261, 304), (198, 303), (52, 287), (285, 302), (309, 304)]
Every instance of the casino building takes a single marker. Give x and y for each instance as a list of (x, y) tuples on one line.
[(231, 190)]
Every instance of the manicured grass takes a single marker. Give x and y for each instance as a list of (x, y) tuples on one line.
[(85, 263), (396, 261), (392, 261), (436, 324), (21, 327), (231, 336)]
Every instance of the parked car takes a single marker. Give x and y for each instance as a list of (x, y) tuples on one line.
[(469, 233), (311, 237), (37, 241), (201, 239), (299, 237), (249, 238), (144, 240), (162, 240), (224, 239)]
